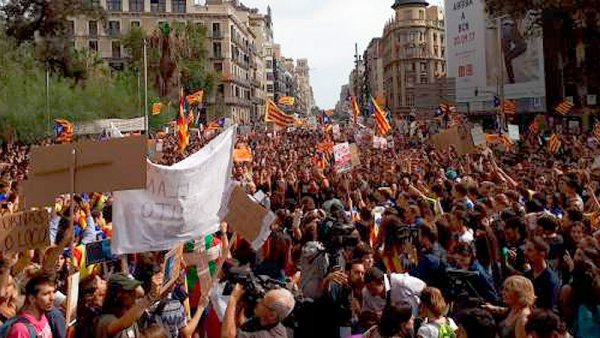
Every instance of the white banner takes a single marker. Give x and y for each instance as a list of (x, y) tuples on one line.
[(180, 203)]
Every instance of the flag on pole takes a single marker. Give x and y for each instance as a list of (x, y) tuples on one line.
[(156, 108), (330, 112), (63, 130), (355, 109), (287, 100), (214, 125), (277, 116), (554, 143), (195, 98), (183, 133), (534, 129), (510, 107), (564, 107), (383, 125)]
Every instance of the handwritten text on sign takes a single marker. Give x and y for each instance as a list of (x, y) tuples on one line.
[(24, 231)]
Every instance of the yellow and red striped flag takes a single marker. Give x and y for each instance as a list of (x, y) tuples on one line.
[(183, 133), (287, 100), (277, 116), (195, 98), (510, 107), (156, 108), (63, 130), (355, 109), (554, 143), (383, 125), (564, 107)]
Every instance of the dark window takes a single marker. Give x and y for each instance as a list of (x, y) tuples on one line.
[(269, 64), (178, 6), (71, 28), (216, 50), (116, 49), (135, 24), (158, 6), (93, 45), (93, 28), (270, 88), (114, 28), (136, 5), (114, 5), (270, 76), (216, 28), (218, 67), (221, 89)]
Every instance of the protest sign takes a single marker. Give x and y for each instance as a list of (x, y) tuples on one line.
[(513, 132), (337, 135), (455, 136), (343, 157), (243, 154), (111, 165), (355, 154), (478, 135), (172, 267), (181, 202), (24, 231), (248, 218), (98, 252), (72, 298)]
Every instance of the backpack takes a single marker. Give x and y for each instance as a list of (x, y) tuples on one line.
[(7, 326), (446, 331)]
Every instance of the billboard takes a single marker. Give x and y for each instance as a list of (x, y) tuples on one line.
[(483, 57)]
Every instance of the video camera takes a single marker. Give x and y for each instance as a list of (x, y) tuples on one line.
[(337, 236)]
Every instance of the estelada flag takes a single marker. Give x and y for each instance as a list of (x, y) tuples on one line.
[(355, 109), (383, 125), (183, 133), (287, 100), (277, 116), (63, 130), (510, 107), (554, 143), (564, 107), (195, 98)]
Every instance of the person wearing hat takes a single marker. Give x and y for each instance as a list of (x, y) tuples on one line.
[(121, 311), (275, 306)]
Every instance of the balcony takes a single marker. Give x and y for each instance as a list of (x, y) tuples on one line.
[(216, 35)]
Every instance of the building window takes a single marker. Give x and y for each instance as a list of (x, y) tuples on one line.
[(270, 76), (114, 28), (116, 49), (421, 15), (237, 91), (218, 67), (443, 52), (114, 5), (135, 24), (178, 6), (423, 66), (216, 29), (136, 5), (435, 51), (92, 28), (270, 88), (217, 50), (408, 15), (410, 100), (414, 67), (424, 79), (71, 28), (93, 45), (221, 89), (158, 6), (442, 39), (269, 64)]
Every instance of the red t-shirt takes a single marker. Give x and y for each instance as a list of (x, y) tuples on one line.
[(42, 327)]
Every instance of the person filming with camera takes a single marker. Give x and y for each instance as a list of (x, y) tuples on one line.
[(269, 312)]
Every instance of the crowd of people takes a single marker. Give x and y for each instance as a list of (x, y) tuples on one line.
[(415, 241)]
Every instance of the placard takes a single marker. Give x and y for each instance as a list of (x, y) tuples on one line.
[(72, 299), (337, 135), (171, 267), (243, 154), (355, 153), (478, 135), (24, 231), (455, 136), (343, 157), (513, 132), (98, 252)]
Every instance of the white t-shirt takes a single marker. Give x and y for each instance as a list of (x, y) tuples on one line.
[(432, 330), (402, 287)]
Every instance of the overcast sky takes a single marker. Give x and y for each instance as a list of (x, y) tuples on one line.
[(324, 32)]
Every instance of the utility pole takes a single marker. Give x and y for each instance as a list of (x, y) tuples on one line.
[(146, 88), (48, 99), (501, 68)]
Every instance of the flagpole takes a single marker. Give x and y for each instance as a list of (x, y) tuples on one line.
[(48, 99), (146, 88)]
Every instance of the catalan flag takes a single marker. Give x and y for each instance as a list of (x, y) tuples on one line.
[(325, 146), (355, 109), (330, 112), (597, 131), (277, 116), (214, 125), (564, 107), (554, 143), (63, 130), (156, 108), (509, 107), (383, 125), (534, 128), (506, 141), (287, 101), (183, 133), (322, 160), (195, 98)]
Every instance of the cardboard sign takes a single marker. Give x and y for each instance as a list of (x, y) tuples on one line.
[(98, 252), (24, 231), (478, 135), (455, 136), (336, 132), (246, 216), (242, 155), (343, 157), (513, 132), (72, 298), (172, 267), (115, 164), (355, 153)]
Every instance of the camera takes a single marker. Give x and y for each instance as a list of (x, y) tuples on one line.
[(337, 236)]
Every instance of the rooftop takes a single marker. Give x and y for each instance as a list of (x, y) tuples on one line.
[(400, 3)]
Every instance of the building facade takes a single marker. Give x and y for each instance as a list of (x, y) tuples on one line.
[(240, 46), (304, 99), (413, 52), (374, 70)]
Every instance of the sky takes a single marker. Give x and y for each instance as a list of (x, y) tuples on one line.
[(324, 32)]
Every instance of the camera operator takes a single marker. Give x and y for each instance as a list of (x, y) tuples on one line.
[(269, 312)]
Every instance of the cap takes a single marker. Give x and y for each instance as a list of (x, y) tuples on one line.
[(123, 281), (451, 174)]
